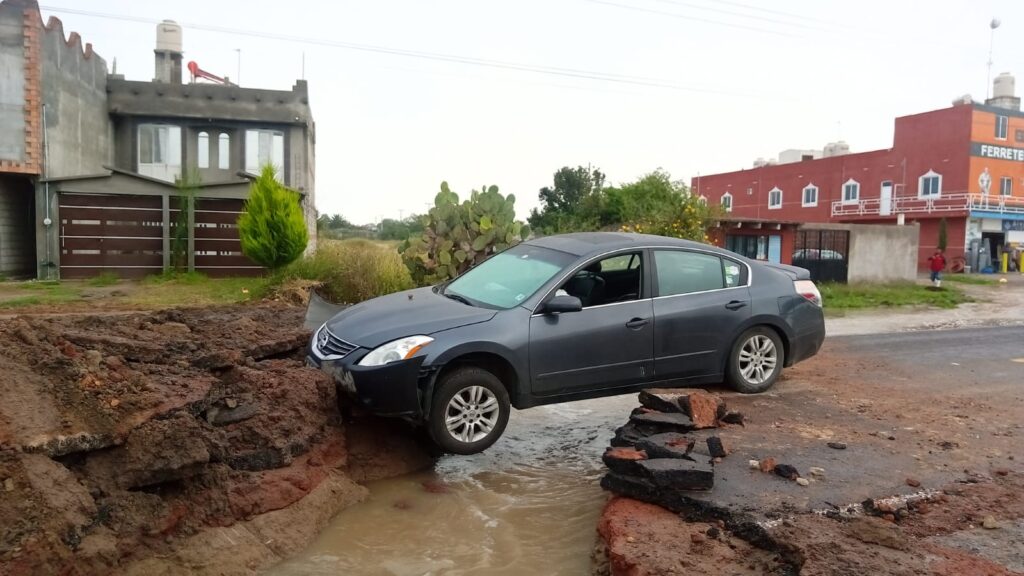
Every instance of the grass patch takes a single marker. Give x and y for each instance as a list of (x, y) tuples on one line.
[(195, 289), (969, 279), (860, 296), (104, 279), (43, 294)]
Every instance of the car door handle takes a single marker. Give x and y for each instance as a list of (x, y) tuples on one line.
[(637, 323), (735, 305)]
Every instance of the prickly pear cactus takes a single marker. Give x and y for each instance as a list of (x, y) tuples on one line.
[(458, 235)]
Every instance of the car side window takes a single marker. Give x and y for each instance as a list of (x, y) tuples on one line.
[(733, 273), (608, 281), (681, 272)]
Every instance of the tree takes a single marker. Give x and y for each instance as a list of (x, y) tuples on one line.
[(942, 235), (458, 235), (570, 204), (272, 227)]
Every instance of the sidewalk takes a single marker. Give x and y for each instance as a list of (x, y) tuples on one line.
[(996, 305)]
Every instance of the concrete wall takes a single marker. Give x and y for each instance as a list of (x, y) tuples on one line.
[(16, 226), (879, 252), (12, 84), (74, 82)]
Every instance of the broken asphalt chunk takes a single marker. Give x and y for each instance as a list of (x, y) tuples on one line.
[(837, 445), (716, 448), (678, 474), (623, 460), (703, 408), (666, 445), (733, 417), (662, 399), (676, 422), (787, 471)]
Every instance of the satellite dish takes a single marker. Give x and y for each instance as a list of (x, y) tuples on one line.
[(994, 23)]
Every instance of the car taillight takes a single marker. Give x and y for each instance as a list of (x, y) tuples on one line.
[(808, 290)]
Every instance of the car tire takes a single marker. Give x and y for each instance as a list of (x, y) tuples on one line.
[(469, 411), (755, 361)]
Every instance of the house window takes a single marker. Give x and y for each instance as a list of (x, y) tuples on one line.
[(1002, 125), (1006, 186), (851, 192), (159, 151), (264, 147), (775, 199), (203, 150), (703, 199), (929, 185), (810, 198), (1019, 135), (727, 202), (223, 151)]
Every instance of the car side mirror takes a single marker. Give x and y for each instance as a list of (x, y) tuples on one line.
[(564, 303)]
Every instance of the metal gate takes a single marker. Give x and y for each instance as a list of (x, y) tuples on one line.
[(825, 253), (110, 233), (218, 248)]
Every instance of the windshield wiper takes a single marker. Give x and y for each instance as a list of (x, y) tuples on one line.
[(458, 298)]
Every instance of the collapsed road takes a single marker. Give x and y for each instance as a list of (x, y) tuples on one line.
[(177, 442), (887, 455)]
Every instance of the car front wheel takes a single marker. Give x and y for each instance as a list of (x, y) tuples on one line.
[(469, 411), (756, 360)]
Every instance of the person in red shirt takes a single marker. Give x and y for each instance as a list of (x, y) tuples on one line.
[(937, 263)]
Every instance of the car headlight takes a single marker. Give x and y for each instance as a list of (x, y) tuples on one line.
[(401, 349)]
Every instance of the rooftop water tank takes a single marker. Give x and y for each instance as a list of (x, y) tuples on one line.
[(1003, 86), (168, 36)]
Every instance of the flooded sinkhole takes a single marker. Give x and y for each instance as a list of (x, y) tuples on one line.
[(528, 505)]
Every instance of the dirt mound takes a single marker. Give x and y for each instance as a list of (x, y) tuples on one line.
[(122, 436)]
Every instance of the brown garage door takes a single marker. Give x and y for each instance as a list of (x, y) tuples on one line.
[(218, 249), (115, 233)]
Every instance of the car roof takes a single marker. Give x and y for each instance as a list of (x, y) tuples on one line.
[(588, 243)]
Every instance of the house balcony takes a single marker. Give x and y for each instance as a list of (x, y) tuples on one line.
[(993, 206)]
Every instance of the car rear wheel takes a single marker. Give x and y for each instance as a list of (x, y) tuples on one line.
[(469, 411), (755, 361)]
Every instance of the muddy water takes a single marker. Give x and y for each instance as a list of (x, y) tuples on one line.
[(529, 505)]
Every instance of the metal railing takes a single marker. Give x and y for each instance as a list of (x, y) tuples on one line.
[(956, 202)]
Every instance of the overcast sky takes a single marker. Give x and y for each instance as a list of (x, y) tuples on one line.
[(691, 86)]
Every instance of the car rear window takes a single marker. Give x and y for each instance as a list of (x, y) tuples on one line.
[(681, 272)]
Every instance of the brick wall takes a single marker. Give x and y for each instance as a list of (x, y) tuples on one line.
[(33, 161)]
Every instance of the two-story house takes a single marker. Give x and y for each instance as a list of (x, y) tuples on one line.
[(963, 165), (113, 203)]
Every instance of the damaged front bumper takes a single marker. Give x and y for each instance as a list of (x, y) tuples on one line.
[(389, 390)]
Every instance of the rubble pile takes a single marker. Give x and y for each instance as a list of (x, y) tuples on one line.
[(668, 445)]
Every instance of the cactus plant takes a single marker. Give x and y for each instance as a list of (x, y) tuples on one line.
[(457, 236)]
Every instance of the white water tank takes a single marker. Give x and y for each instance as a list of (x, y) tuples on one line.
[(1003, 86), (836, 149), (168, 36)]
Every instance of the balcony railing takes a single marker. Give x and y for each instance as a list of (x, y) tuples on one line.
[(957, 202)]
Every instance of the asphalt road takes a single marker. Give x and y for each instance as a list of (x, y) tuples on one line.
[(951, 401)]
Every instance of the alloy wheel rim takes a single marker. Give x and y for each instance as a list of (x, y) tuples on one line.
[(472, 414), (758, 359)]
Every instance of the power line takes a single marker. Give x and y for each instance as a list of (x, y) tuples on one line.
[(732, 13), (451, 58), (691, 18)]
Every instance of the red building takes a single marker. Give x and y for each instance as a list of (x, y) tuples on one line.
[(964, 164)]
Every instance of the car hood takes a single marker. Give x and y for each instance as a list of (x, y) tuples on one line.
[(419, 311)]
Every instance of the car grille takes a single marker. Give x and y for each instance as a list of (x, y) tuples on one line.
[(336, 347)]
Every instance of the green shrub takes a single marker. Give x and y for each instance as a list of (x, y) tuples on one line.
[(272, 228), (457, 235), (351, 270)]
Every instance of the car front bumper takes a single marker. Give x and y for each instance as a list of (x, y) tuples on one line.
[(389, 390)]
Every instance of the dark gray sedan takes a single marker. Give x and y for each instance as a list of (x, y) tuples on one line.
[(566, 318)]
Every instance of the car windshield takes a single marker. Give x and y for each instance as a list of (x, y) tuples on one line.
[(507, 279)]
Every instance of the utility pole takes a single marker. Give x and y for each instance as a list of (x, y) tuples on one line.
[(991, 43), (238, 78)]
